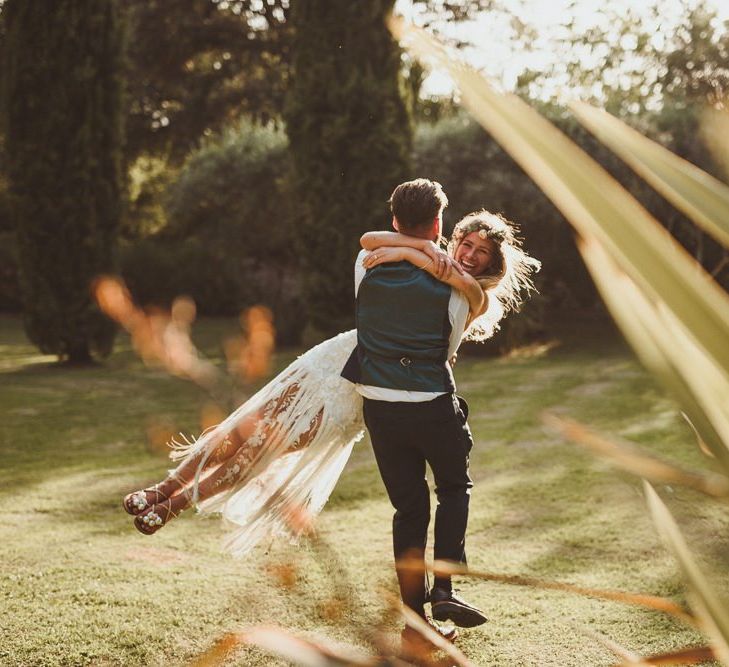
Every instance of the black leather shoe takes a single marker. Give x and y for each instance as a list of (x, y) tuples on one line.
[(414, 645), (446, 605)]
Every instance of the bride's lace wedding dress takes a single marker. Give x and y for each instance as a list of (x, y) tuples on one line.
[(297, 433)]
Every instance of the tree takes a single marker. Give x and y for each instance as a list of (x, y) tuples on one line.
[(696, 67), (63, 115), (350, 139), (233, 194), (632, 61), (195, 65)]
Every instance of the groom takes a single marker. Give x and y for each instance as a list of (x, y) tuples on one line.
[(408, 326)]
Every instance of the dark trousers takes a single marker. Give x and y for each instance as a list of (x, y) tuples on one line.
[(404, 437)]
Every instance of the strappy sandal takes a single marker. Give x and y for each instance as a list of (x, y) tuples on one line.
[(152, 521), (136, 503)]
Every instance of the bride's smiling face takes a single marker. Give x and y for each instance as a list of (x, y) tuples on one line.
[(475, 254)]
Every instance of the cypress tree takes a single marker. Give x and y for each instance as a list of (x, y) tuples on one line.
[(350, 137), (62, 90)]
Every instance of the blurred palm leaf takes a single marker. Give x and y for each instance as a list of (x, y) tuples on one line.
[(627, 656), (596, 205), (633, 460), (704, 401), (685, 656), (457, 658), (712, 613), (285, 644), (448, 568), (699, 195), (715, 133)]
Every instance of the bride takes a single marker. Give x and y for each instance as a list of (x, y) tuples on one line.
[(277, 457)]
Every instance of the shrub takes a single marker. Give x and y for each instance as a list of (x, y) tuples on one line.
[(234, 193), (228, 242), (158, 270)]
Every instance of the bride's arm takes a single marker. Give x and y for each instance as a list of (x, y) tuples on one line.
[(374, 240), (462, 282), (443, 262)]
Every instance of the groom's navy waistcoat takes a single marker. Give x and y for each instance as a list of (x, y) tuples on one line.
[(403, 331)]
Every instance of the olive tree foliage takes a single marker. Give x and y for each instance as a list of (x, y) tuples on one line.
[(233, 193), (62, 115), (197, 65), (635, 62)]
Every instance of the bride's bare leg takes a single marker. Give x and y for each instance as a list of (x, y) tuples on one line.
[(229, 447), (229, 472), (184, 474), (182, 477), (217, 481), (226, 464)]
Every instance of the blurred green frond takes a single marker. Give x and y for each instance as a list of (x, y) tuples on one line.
[(713, 614), (699, 195)]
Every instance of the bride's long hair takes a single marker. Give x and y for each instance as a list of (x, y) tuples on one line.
[(508, 279)]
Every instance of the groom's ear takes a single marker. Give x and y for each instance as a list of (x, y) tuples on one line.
[(435, 227), (395, 226)]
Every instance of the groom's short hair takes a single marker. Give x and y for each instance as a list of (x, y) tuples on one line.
[(417, 203)]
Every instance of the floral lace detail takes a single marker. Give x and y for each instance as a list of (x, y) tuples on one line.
[(318, 371), (229, 477), (256, 440)]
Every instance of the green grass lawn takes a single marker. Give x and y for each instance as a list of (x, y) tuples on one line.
[(79, 586)]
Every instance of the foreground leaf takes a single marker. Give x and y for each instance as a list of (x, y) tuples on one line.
[(699, 195), (686, 656), (701, 388), (447, 568), (628, 657), (285, 644), (631, 459), (415, 621), (594, 202), (713, 615)]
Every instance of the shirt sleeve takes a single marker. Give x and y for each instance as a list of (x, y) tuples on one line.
[(457, 314), (359, 270)]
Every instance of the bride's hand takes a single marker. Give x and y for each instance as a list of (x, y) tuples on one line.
[(383, 255), (444, 263), (441, 269)]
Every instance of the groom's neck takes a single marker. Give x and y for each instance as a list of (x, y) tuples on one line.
[(427, 235), (430, 232)]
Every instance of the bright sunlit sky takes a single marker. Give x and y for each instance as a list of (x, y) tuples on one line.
[(495, 53)]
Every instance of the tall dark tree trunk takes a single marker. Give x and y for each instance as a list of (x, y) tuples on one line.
[(63, 90), (351, 139)]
